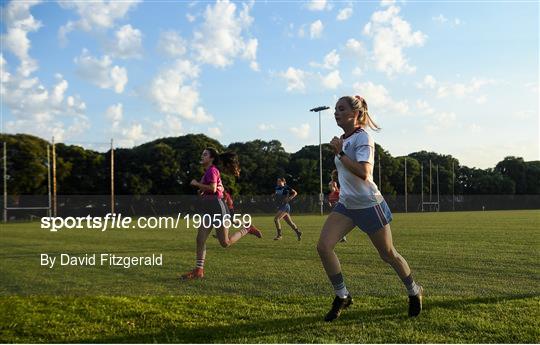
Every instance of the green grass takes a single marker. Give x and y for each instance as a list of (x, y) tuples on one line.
[(479, 269)]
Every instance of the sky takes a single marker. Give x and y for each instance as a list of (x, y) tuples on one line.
[(458, 78)]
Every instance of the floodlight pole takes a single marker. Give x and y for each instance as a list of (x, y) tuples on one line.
[(422, 183), (405, 184), (430, 181), (112, 177), (379, 162), (54, 177), (49, 179), (438, 195), (321, 195), (5, 183), (453, 183)]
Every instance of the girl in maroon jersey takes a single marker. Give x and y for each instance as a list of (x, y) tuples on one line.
[(210, 189)]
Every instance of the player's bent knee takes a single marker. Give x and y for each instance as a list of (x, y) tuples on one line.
[(225, 243), (388, 256), (324, 248)]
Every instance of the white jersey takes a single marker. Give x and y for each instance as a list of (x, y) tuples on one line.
[(356, 193)]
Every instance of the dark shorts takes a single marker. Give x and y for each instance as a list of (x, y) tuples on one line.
[(285, 208), (212, 206), (369, 220)]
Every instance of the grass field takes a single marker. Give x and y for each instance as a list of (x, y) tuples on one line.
[(480, 271)]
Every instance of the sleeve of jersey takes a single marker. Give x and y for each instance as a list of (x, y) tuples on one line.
[(365, 148), (214, 176)]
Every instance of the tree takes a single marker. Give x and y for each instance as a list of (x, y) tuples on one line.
[(26, 164), (81, 171), (533, 177), (261, 163), (516, 169), (389, 167), (398, 178), (304, 168)]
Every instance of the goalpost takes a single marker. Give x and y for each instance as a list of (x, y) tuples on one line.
[(7, 208), (87, 145), (431, 203), (52, 199)]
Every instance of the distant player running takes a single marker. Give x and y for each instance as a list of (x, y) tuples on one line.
[(333, 196), (283, 195), (360, 204), (211, 190)]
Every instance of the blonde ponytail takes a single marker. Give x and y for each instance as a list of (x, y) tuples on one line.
[(360, 104)]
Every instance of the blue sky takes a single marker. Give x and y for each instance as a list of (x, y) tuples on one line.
[(457, 78)]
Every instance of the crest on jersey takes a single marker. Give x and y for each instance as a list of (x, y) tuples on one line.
[(347, 145)]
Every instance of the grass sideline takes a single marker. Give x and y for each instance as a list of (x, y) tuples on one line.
[(480, 271)]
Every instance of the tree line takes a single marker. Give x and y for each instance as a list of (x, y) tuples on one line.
[(166, 166)]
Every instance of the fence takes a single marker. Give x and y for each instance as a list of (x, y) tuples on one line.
[(156, 205)]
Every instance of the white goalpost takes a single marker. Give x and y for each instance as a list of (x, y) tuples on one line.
[(432, 204), (12, 208), (51, 207)]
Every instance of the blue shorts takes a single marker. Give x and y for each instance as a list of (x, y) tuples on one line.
[(369, 220), (285, 208)]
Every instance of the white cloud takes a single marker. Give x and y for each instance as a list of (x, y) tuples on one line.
[(462, 90), (524, 114), (428, 82), (19, 23), (532, 87), (295, 79), (440, 19), (266, 127), (220, 38), (332, 80), (174, 91), (481, 99), (136, 133), (36, 109), (386, 3), (315, 29), (100, 72), (356, 48), (441, 121), (114, 114), (94, 15), (214, 132), (357, 71), (379, 100), (301, 132), (130, 136), (391, 34), (424, 107), (317, 5), (475, 128), (127, 43), (41, 111), (301, 31), (331, 61), (172, 44), (250, 53), (190, 18), (345, 13)]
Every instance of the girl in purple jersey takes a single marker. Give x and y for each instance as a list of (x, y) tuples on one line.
[(210, 188), (360, 205)]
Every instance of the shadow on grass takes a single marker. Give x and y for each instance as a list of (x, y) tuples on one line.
[(309, 328)]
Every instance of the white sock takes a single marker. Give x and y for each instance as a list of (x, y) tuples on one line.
[(342, 293), (414, 289)]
